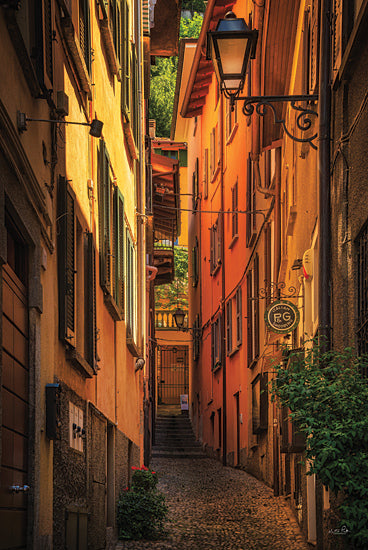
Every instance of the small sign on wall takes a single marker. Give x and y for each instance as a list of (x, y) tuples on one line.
[(282, 317), (184, 402)]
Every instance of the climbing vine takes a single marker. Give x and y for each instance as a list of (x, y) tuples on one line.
[(327, 396)]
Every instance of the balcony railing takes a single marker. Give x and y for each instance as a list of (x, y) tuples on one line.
[(164, 320)]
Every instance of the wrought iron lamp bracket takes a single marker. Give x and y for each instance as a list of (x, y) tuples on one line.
[(276, 291), (262, 105)]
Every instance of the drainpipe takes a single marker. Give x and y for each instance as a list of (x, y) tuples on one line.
[(259, 8), (324, 313), (223, 290)]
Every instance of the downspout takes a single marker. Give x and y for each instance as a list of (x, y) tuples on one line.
[(223, 289), (324, 312), (259, 8)]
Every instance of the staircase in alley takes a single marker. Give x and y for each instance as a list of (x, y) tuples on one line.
[(174, 436)]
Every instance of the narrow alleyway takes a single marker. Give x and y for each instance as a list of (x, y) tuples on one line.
[(216, 507)]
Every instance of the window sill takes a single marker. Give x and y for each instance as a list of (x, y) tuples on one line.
[(112, 308), (233, 351), (76, 54), (232, 133), (79, 363), (217, 366), (251, 239), (233, 240), (253, 363), (215, 173), (132, 346), (108, 42), (216, 269)]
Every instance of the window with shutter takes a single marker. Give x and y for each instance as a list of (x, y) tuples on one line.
[(216, 248), (216, 343), (195, 262), (130, 286), (125, 60), (253, 313), (85, 32), (205, 174), (91, 318), (234, 208), (66, 261), (195, 185), (260, 403), (196, 338), (239, 305), (48, 38), (314, 47), (229, 327), (112, 231), (251, 205)]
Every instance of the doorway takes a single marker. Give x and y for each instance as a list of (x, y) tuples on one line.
[(172, 374), (14, 394)]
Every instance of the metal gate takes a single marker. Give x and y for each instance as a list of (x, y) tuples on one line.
[(172, 373)]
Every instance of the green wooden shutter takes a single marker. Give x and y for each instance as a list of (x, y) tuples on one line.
[(119, 226), (130, 285), (125, 76), (91, 303), (104, 197), (66, 261)]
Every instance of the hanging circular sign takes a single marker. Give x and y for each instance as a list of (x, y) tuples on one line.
[(282, 317)]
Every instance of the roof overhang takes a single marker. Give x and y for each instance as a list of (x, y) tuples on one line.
[(166, 25), (165, 195)]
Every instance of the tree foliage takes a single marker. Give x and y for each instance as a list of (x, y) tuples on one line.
[(327, 397), (175, 294), (163, 79)]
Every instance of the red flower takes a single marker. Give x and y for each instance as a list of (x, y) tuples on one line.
[(153, 472), (135, 468), (144, 468)]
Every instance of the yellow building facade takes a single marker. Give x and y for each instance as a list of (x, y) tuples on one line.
[(72, 218)]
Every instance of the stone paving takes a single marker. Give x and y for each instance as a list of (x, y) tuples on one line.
[(217, 507)]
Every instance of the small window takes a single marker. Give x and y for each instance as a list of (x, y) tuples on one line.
[(229, 327), (216, 247), (195, 263), (216, 343), (239, 306), (234, 208), (251, 225), (260, 403)]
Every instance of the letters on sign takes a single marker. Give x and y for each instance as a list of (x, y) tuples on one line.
[(282, 317)]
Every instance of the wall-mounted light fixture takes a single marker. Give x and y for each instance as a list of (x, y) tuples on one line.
[(95, 126), (230, 47), (179, 319)]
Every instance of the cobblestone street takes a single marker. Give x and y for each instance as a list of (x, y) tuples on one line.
[(216, 507)]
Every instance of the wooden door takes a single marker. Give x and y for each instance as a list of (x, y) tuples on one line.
[(14, 398)]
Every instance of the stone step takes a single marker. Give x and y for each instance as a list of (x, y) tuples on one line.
[(156, 453)]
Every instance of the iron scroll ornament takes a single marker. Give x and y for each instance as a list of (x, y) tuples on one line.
[(276, 291), (261, 105)]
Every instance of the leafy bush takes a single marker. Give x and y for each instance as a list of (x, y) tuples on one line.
[(142, 509), (328, 397)]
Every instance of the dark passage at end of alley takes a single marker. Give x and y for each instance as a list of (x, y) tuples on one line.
[(212, 506)]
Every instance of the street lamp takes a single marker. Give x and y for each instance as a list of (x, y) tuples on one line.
[(95, 127), (230, 47), (179, 318)]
